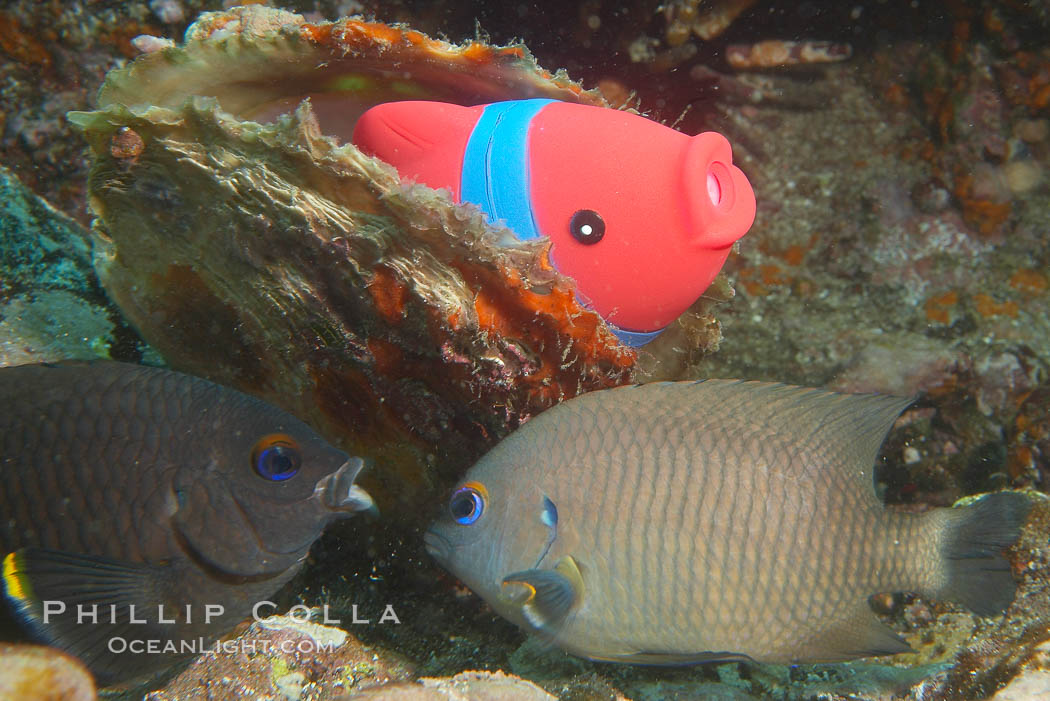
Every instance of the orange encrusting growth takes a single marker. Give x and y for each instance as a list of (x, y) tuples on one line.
[(388, 294), (943, 308), (548, 321), (986, 215), (986, 306), (757, 280), (355, 35), (939, 307), (20, 44), (1028, 281)]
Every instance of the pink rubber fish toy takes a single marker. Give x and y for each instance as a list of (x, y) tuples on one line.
[(641, 216)]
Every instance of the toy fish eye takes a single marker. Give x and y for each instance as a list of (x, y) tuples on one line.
[(276, 457), (468, 503), (587, 226)]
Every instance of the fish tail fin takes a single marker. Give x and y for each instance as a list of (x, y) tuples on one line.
[(978, 575)]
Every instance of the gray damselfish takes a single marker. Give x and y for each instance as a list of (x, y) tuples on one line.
[(677, 523)]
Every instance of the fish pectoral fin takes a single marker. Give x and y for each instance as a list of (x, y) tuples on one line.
[(70, 600), (670, 659), (546, 596)]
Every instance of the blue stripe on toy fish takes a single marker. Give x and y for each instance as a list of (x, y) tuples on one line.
[(496, 169)]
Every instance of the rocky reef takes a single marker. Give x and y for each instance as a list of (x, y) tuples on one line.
[(51, 304)]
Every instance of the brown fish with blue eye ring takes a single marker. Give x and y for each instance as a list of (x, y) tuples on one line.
[(130, 486), (679, 523)]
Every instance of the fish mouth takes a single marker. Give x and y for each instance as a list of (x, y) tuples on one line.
[(338, 492), (437, 546)]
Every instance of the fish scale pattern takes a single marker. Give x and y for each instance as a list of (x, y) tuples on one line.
[(72, 494)]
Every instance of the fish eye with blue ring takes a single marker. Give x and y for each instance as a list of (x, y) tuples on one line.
[(587, 226), (276, 457), (468, 503)]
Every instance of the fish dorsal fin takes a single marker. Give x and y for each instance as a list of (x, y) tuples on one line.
[(847, 428), (92, 592), (546, 596)]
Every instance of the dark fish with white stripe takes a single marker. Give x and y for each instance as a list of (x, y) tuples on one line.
[(677, 523)]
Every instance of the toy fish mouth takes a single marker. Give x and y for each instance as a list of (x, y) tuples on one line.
[(437, 546)]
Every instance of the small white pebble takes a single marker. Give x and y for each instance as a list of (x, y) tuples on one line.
[(911, 455), (168, 11), (1022, 176), (150, 44)]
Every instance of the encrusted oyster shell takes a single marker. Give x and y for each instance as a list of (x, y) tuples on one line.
[(249, 243)]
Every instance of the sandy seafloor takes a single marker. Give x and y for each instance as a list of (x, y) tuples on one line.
[(900, 246)]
